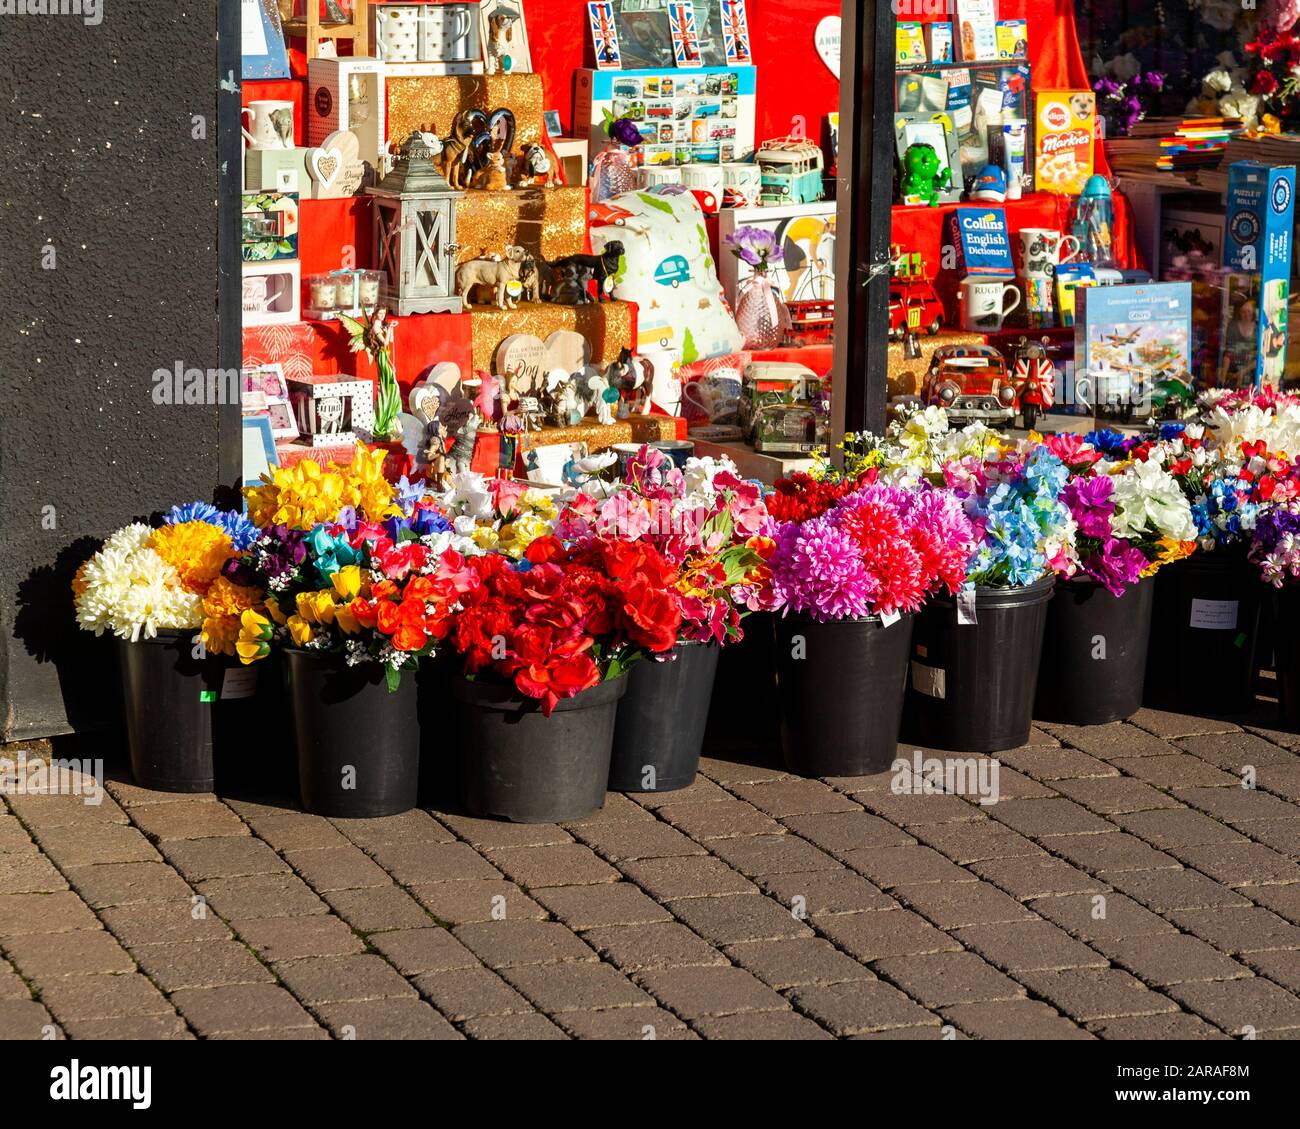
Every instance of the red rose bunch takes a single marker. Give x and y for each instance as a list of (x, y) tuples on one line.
[(801, 497), (563, 619)]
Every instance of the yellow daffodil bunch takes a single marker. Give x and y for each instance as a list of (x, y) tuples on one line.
[(328, 607), (305, 494)]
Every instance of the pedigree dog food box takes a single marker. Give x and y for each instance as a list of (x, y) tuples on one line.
[(1067, 125)]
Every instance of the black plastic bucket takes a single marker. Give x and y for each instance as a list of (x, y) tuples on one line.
[(437, 711), (746, 673), (1094, 653), (168, 695), (661, 719), (840, 686), (1286, 651), (520, 765), (252, 708), (1204, 627), (358, 745), (971, 686)]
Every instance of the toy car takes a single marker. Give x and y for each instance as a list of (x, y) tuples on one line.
[(913, 302), (970, 382), (673, 271), (792, 171)]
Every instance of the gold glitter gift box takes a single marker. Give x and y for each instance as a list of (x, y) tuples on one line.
[(607, 326), (550, 222), (431, 101)]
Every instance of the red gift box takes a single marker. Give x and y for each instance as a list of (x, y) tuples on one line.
[(292, 345)]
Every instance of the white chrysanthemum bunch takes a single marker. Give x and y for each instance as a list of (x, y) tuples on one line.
[(128, 589)]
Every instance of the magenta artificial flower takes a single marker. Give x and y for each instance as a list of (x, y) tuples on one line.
[(1090, 504), (1118, 565)]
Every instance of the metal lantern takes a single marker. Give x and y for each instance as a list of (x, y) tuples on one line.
[(415, 233)]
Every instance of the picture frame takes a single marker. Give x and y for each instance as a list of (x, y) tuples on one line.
[(259, 453), (505, 45), (804, 270), (553, 126), (264, 53), (264, 391), (935, 130)]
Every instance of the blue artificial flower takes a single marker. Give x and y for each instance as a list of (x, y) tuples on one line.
[(193, 511), (332, 553), (408, 494), (242, 532), (523, 565), (426, 521)]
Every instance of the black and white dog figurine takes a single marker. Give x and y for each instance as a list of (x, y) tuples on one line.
[(602, 266)]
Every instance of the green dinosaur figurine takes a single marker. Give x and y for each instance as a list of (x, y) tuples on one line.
[(922, 177)]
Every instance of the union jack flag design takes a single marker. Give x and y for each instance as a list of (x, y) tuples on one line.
[(604, 34), (686, 40), (735, 31)]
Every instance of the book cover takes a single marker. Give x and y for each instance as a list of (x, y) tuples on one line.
[(978, 236)]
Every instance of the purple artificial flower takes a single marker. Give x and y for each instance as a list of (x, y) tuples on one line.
[(281, 550), (753, 245), (1154, 80), (624, 131), (1090, 505), (817, 569), (1118, 566), (1107, 87)]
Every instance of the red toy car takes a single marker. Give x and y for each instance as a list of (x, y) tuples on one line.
[(970, 382), (912, 301)]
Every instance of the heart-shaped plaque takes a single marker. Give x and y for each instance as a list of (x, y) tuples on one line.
[(325, 166), (827, 39), (336, 165)]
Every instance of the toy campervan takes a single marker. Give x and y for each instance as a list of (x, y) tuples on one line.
[(792, 172)]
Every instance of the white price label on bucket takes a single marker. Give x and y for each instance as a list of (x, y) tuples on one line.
[(239, 682), (932, 681), (888, 619), (1214, 615), (966, 605)]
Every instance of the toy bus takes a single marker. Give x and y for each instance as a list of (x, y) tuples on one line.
[(792, 171)]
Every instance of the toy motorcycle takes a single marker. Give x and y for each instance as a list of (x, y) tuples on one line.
[(1034, 379)]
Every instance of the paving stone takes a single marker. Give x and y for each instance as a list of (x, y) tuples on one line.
[(1163, 723), (12, 986), (386, 1019), (1282, 900), (57, 912), (464, 993), (801, 960), (1013, 1019), (164, 924), (1016, 946), (910, 811), (298, 832), (262, 895), (701, 790), (13, 836), (882, 781), (1116, 794), (722, 818), (838, 832), (252, 811), (292, 1034), (329, 979), (1117, 739), (1233, 804), (739, 917), (667, 944), (1177, 770), (1013, 785), (1280, 965), (231, 856), (129, 1027), (945, 979), (1233, 751), (566, 864), (65, 810), (490, 834), (421, 863), (784, 798), (459, 903), (1181, 827), (1173, 960), (1236, 1004), (884, 933), (860, 1006), (608, 903), (1057, 764), (293, 938), (1093, 917), (760, 1025), (501, 944), (25, 1019), (29, 872), (890, 866), (338, 868), (1175, 1025), (953, 904), (413, 826), (132, 795), (979, 839), (623, 1023), (1284, 779), (664, 879), (202, 964), (1096, 993), (1283, 835), (1241, 864), (128, 883), (722, 990), (529, 1025), (822, 892), (198, 819), (910, 1034), (102, 996), (1164, 890), (431, 949), (1239, 929), (76, 954), (242, 1008), (731, 773), (1040, 819), (1036, 876), (84, 844), (575, 986), (1108, 854), (637, 839), (378, 908)]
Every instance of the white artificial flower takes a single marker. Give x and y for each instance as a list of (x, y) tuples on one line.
[(1148, 500), (1220, 81), (469, 495)]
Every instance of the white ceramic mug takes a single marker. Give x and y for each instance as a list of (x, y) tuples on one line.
[(259, 295), (454, 31), (984, 303), (1042, 250), (271, 122)]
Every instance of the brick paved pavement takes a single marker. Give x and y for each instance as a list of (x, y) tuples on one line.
[(1124, 886)]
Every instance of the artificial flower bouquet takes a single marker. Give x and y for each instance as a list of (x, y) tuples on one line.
[(564, 618), (497, 514)]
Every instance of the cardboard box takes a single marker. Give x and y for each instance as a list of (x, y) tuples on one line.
[(348, 94), (268, 226), (909, 43), (977, 37), (938, 42), (332, 410), (1257, 256), (1013, 39), (978, 235), (1065, 129), (271, 293)]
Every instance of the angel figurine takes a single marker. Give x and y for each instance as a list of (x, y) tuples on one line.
[(373, 335)]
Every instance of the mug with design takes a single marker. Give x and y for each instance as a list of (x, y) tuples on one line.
[(715, 397), (984, 302), (445, 33), (1040, 306), (261, 292), (1042, 250), (270, 124)]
